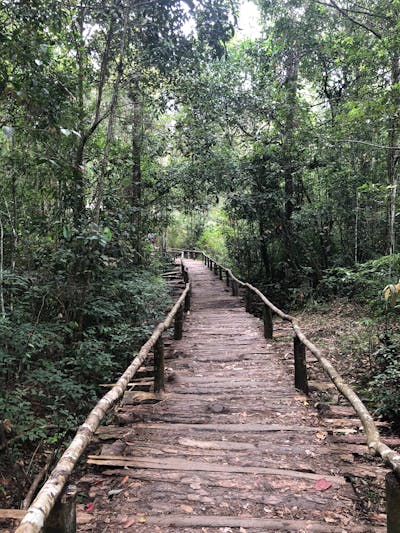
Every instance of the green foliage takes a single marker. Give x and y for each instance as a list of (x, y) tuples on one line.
[(383, 388), (60, 359), (363, 283)]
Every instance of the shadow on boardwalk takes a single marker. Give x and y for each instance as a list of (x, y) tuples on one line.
[(231, 446)]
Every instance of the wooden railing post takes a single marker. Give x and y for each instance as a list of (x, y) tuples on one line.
[(300, 365), (227, 278), (215, 268), (248, 300), (268, 324), (392, 503), (62, 518), (159, 364), (220, 272), (187, 300), (235, 287), (185, 275), (178, 324)]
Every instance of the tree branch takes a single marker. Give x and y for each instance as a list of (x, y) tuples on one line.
[(345, 13)]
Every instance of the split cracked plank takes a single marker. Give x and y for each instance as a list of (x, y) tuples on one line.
[(229, 428), (191, 466)]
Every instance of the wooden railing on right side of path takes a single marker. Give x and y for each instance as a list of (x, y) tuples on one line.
[(301, 342)]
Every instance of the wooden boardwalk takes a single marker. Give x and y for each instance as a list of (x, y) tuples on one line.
[(231, 446)]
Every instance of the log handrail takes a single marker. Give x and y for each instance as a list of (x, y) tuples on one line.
[(39, 510), (389, 456)]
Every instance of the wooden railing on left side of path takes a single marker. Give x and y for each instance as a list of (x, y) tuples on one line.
[(54, 508), (301, 342)]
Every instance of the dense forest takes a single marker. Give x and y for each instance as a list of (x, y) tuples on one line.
[(130, 126)]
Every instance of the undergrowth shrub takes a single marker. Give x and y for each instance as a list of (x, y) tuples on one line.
[(362, 283), (74, 323), (383, 387)]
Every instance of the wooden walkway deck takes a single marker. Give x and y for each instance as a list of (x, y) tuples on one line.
[(231, 446)]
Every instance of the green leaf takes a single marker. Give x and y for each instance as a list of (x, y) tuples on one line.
[(67, 233), (107, 233)]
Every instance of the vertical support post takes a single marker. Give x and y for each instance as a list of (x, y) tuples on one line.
[(178, 324), (268, 324), (392, 503), (62, 518), (248, 300), (300, 366), (235, 287), (220, 272), (159, 365), (187, 300), (227, 278), (215, 268), (182, 267), (185, 275)]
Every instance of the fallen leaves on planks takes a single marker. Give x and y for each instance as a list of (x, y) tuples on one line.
[(322, 484)]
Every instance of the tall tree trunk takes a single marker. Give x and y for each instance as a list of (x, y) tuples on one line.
[(265, 257), (77, 194), (292, 74), (137, 142), (357, 209), (289, 154), (111, 118), (393, 152), (2, 304)]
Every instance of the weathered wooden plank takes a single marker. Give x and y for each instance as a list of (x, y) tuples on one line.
[(264, 524), (229, 428), (18, 514), (191, 466)]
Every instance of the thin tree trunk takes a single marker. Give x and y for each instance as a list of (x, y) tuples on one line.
[(110, 127), (2, 305), (356, 228), (292, 74), (393, 153), (77, 199), (137, 141), (77, 194)]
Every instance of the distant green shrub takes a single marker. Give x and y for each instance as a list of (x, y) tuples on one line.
[(363, 283)]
